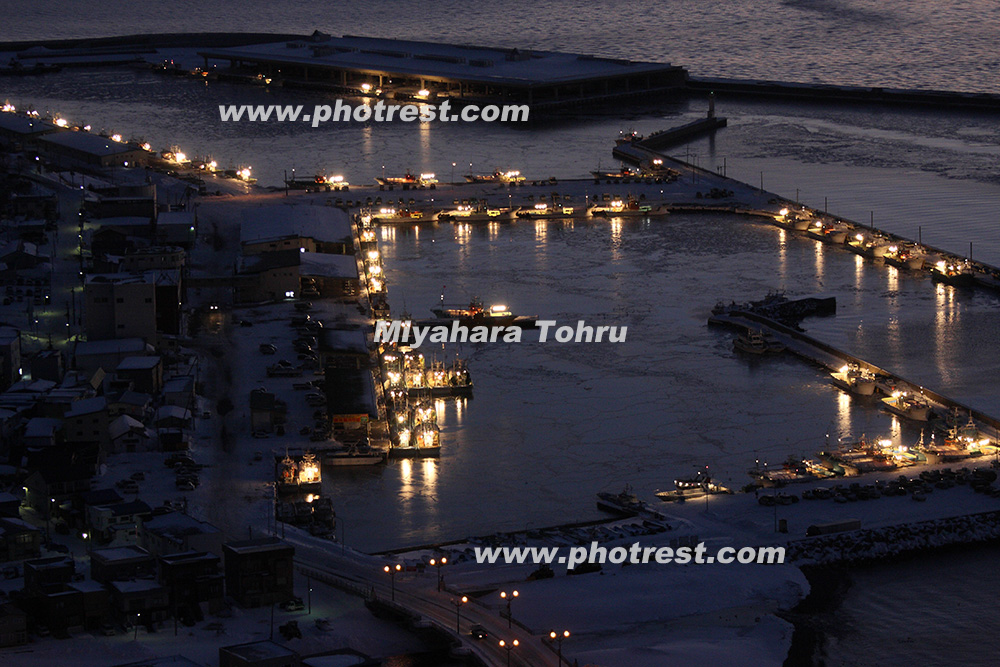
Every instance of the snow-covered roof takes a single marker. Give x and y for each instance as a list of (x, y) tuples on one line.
[(326, 265), (16, 123), (112, 346), (135, 586), (42, 427), (281, 221), (86, 406), (437, 60), (122, 425), (168, 411), (143, 363), (94, 144)]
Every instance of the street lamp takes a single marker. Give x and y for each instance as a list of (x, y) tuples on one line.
[(48, 521), (558, 639), (458, 613), (509, 599), (509, 646), (392, 574), (438, 563), (136, 627)]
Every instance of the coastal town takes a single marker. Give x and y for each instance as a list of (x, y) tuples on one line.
[(191, 362)]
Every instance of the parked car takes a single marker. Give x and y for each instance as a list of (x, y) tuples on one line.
[(295, 604)]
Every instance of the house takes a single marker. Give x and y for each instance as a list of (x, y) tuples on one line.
[(18, 540), (132, 403), (264, 653), (121, 564), (128, 434), (52, 486), (10, 356), (139, 601), (42, 432), (13, 625), (43, 572), (119, 523), (259, 571), (176, 228), (177, 532), (152, 258), (119, 305), (145, 373), (179, 391), (171, 416), (330, 276), (22, 132), (273, 276), (345, 347), (193, 578), (86, 422), (95, 354), (48, 365)]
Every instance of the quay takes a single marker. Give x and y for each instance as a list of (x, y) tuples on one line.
[(815, 351)]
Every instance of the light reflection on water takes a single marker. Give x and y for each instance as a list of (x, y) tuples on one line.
[(552, 424)]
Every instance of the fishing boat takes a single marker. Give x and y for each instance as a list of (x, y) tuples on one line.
[(478, 213), (543, 211), (476, 314), (630, 208), (391, 215), (793, 470), (855, 380), (755, 341), (855, 457), (957, 274), (408, 179), (424, 441), (617, 175), (628, 137), (626, 503), (496, 177), (905, 256), (354, 455), (301, 476), (908, 406), (317, 183), (698, 485)]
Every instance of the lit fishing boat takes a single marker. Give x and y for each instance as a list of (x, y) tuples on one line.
[(630, 208), (301, 476), (908, 406), (905, 256), (318, 182), (408, 179), (856, 457), (629, 137), (855, 380), (543, 211), (390, 215), (697, 486), (496, 177), (476, 314), (617, 175), (478, 213), (955, 273)]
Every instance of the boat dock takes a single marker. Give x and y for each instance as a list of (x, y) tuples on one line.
[(817, 352)]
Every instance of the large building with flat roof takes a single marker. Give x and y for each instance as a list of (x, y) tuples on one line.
[(544, 78), (92, 149)]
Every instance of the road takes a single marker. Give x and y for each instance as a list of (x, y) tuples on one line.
[(418, 593)]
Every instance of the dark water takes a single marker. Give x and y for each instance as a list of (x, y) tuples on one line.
[(917, 44)]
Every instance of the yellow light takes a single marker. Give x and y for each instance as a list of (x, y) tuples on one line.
[(860, 237), (335, 179), (61, 122), (180, 157), (426, 177), (375, 270), (245, 173), (147, 147), (373, 255), (498, 309), (8, 107), (423, 92), (116, 137), (366, 87)]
